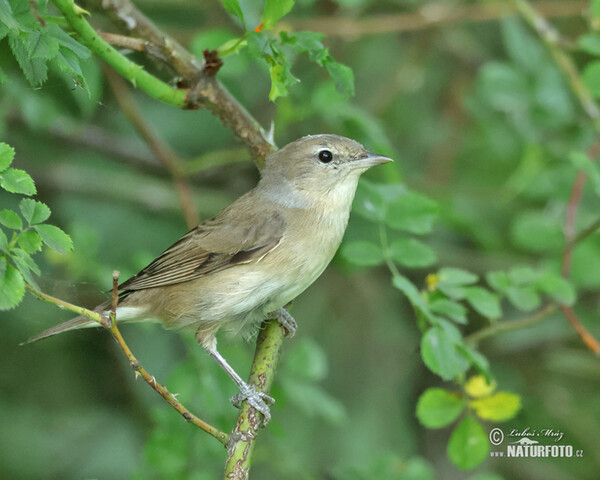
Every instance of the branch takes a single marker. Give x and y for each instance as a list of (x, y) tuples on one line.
[(205, 91), (429, 16), (262, 374), (139, 370), (162, 151), (500, 327)]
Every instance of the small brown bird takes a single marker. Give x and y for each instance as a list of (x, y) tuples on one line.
[(255, 256)]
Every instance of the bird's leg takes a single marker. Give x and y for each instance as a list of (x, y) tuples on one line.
[(286, 320), (259, 400)]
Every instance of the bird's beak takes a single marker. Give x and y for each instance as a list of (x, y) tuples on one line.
[(370, 160)]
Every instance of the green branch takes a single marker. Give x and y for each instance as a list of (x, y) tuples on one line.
[(262, 374), (133, 72)]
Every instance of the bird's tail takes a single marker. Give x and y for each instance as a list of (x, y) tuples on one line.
[(73, 324)]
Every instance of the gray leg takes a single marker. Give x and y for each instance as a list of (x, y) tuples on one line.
[(286, 321), (259, 400)]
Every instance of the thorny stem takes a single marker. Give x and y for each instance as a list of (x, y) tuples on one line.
[(111, 325)]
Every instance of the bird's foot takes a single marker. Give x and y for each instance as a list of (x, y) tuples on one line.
[(286, 321), (259, 400)]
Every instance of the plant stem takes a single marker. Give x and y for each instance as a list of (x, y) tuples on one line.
[(241, 440)]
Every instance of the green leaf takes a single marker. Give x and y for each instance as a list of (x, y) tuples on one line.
[(7, 154), (456, 276), (523, 298), (362, 253), (476, 359), (437, 407), (33, 211), (233, 7), (440, 355), (498, 280), (35, 69), (412, 293), (584, 163), (468, 445), (17, 181), (557, 288), (522, 275), (499, 407), (410, 252), (591, 77), (12, 286), (24, 261), (521, 45), (453, 310), (307, 360), (10, 219), (274, 10), (537, 232), (3, 241), (40, 45), (504, 87), (589, 43), (484, 302), (29, 241), (412, 212), (55, 238), (370, 201), (66, 41), (342, 76), (7, 16)]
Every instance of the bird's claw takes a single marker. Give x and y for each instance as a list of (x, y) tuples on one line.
[(259, 400), (286, 321)]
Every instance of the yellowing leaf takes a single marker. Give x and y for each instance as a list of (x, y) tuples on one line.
[(499, 407), (477, 386)]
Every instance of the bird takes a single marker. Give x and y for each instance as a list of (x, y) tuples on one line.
[(254, 257)]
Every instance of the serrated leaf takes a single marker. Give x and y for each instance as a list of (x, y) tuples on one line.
[(40, 45), (523, 298), (484, 302), (412, 212), (10, 219), (557, 287), (29, 241), (440, 355), (453, 310), (274, 10), (17, 181), (342, 76), (34, 211), (437, 407), (7, 16), (499, 407), (362, 253), (410, 252), (25, 260), (468, 445), (35, 69), (55, 238), (68, 42), (478, 386), (233, 7), (12, 287), (7, 154)]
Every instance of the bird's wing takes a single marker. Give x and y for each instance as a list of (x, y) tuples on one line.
[(214, 245)]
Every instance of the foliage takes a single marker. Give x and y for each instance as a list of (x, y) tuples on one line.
[(463, 250)]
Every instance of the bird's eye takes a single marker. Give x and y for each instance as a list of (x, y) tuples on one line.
[(325, 156)]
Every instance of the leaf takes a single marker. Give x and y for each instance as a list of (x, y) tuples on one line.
[(17, 181), (369, 201), (437, 407), (499, 407), (498, 280), (274, 10), (40, 45), (478, 386), (342, 76), (362, 253), (476, 359), (523, 298), (410, 252), (7, 16), (35, 69), (484, 302), (440, 354), (412, 293), (33, 211), (521, 45), (584, 163), (537, 232), (307, 360), (589, 43), (591, 77), (233, 7), (522, 275), (68, 42), (55, 238), (3, 242), (12, 286), (557, 287), (468, 445), (456, 276), (29, 241), (504, 87), (7, 154), (412, 212), (453, 310), (10, 219)]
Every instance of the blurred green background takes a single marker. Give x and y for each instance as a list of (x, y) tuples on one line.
[(477, 116)]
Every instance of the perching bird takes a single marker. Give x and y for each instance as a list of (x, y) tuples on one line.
[(255, 256)]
